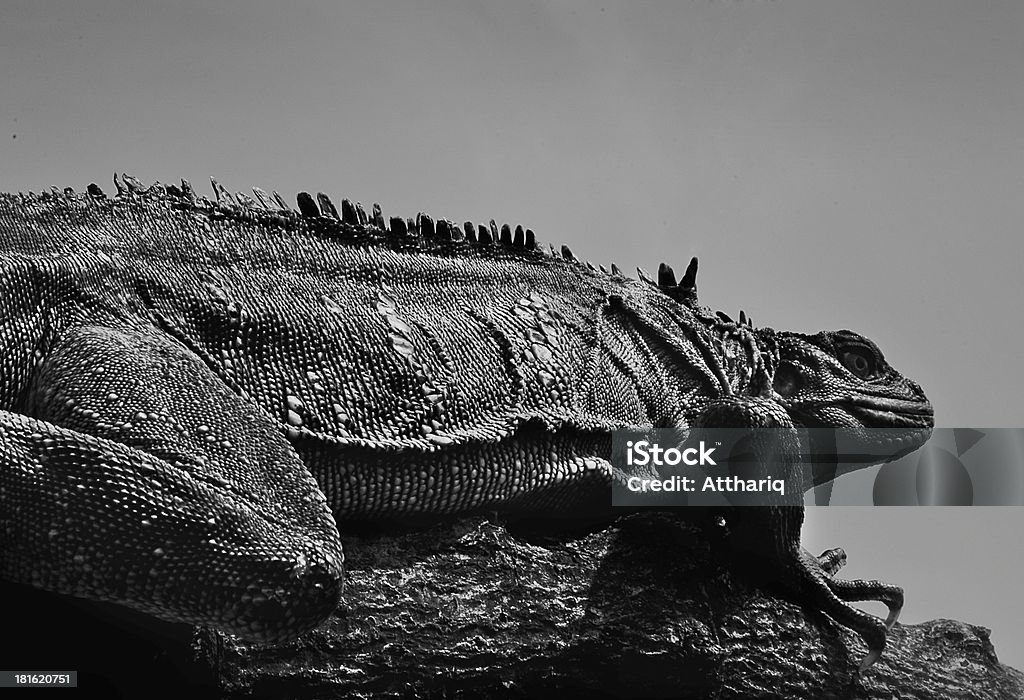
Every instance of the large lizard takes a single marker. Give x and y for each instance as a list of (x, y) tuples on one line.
[(194, 392)]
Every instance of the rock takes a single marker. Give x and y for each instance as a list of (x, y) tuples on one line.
[(649, 607), (645, 608)]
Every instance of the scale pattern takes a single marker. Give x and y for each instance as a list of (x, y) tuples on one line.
[(193, 391)]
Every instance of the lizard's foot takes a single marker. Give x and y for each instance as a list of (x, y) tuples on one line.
[(813, 575), (831, 560)]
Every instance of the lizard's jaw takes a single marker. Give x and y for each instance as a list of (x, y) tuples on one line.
[(864, 411), (893, 427), (868, 411)]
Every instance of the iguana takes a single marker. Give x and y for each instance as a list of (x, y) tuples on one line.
[(194, 391)]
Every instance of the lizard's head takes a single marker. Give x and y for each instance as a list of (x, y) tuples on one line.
[(839, 379)]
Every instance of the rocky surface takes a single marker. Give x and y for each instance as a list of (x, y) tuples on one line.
[(645, 608)]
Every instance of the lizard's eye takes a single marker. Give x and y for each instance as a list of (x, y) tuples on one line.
[(858, 361), (787, 380)]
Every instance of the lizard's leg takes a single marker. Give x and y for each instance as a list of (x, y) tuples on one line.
[(134, 475), (773, 532)]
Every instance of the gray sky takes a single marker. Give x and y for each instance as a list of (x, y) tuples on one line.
[(834, 165)]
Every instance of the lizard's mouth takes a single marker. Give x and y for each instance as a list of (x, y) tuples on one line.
[(867, 436), (862, 413), (884, 412)]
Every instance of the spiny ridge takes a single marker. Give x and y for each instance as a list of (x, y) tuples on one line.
[(307, 205), (327, 206), (134, 185), (378, 217), (281, 203), (348, 213), (244, 200), (666, 275), (690, 277), (263, 198), (685, 290), (425, 225), (223, 196), (320, 205)]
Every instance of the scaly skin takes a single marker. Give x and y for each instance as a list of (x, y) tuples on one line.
[(192, 392)]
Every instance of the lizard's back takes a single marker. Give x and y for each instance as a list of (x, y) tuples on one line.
[(391, 344)]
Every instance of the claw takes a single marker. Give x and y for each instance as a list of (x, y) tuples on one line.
[(894, 614), (869, 660), (890, 620)]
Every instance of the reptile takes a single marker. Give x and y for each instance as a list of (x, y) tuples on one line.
[(195, 391)]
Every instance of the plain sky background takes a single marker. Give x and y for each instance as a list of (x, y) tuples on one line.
[(834, 164)]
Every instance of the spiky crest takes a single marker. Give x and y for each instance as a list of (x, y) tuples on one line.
[(320, 207)]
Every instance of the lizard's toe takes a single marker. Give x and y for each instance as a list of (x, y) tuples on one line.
[(858, 590), (832, 560)]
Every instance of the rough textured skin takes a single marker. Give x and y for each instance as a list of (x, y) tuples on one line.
[(193, 391)]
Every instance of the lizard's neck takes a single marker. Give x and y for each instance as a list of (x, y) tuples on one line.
[(680, 357)]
